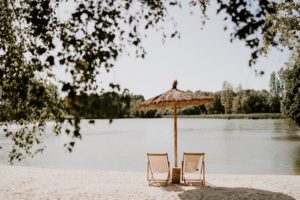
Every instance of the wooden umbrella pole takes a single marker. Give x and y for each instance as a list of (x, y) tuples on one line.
[(175, 135), (176, 170)]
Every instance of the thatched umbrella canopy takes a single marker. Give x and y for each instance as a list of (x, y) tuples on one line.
[(174, 99)]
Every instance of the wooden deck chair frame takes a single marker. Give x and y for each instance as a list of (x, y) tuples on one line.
[(150, 177), (201, 171)]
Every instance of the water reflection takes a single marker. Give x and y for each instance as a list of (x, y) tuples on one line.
[(297, 160), (286, 130)]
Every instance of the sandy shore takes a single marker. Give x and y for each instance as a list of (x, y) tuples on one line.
[(41, 183)]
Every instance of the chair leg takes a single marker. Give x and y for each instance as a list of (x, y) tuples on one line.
[(203, 163), (182, 173), (148, 171)]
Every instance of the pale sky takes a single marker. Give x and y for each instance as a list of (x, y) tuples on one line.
[(200, 60)]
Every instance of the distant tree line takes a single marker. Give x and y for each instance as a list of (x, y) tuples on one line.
[(227, 101), (283, 97), (107, 105)]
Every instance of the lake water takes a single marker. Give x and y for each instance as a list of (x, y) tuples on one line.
[(231, 146)]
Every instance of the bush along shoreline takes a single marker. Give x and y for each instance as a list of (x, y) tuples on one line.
[(234, 116)]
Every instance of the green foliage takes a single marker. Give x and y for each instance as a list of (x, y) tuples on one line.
[(263, 24), (108, 105), (291, 98), (237, 106), (25, 117), (190, 111), (275, 92), (212, 108), (275, 86), (255, 101), (216, 107), (227, 97), (135, 100), (283, 26)]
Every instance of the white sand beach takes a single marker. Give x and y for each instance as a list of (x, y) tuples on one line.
[(18, 182)]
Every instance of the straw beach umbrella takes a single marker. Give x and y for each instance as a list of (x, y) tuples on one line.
[(174, 99)]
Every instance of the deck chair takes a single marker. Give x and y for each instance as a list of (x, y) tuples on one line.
[(190, 172), (158, 169)]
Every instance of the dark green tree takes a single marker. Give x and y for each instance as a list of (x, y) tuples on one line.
[(134, 101), (291, 98), (108, 105), (216, 107), (275, 93), (255, 101), (237, 104), (227, 97), (237, 107)]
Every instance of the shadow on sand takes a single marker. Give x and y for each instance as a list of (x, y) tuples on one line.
[(216, 193)]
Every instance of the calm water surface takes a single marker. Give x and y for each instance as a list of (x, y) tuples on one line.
[(231, 146)]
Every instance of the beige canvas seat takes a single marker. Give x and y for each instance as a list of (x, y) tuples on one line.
[(193, 168), (158, 169)]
